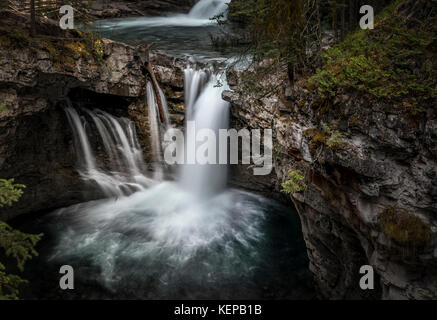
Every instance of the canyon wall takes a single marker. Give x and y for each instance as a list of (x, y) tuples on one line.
[(355, 140), (36, 143), (385, 164)]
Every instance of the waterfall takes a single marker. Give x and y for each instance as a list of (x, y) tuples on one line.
[(200, 15), (123, 174), (122, 150), (78, 124), (206, 108), (193, 238), (194, 83), (207, 9)]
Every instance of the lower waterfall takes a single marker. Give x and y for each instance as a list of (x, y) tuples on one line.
[(184, 239), (118, 135)]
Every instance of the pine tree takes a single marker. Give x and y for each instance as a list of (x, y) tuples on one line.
[(16, 244)]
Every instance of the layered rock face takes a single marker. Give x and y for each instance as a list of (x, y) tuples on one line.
[(384, 164), (36, 145), (116, 9)]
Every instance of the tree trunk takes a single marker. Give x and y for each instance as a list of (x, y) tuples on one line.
[(343, 20), (156, 89), (352, 22), (32, 19)]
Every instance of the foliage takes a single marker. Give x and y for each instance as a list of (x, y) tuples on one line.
[(404, 227), (3, 107), (295, 184), (396, 61), (18, 245), (275, 36), (278, 149), (98, 50), (333, 137), (9, 192), (274, 27), (327, 136)]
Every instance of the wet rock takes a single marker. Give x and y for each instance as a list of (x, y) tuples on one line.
[(118, 9), (386, 159), (36, 143)]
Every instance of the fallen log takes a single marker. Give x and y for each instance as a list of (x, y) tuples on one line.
[(155, 85)]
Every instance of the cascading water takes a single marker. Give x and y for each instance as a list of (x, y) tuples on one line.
[(205, 108), (200, 15), (190, 238), (206, 9), (80, 138), (120, 141), (121, 145)]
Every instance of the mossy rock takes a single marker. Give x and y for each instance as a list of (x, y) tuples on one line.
[(12, 37), (404, 228), (78, 48), (353, 121), (317, 138), (394, 62)]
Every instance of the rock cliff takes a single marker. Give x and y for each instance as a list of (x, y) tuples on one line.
[(368, 160), (36, 74)]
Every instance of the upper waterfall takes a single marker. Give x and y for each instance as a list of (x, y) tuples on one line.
[(200, 15), (207, 9)]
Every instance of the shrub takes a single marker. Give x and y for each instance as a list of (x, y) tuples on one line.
[(295, 184), (328, 137), (333, 137)]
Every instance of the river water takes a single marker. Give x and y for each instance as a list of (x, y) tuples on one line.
[(179, 35)]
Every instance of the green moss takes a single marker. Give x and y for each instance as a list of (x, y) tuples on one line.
[(64, 61), (78, 47), (5, 41), (404, 227), (301, 104), (396, 60), (317, 138), (98, 50), (327, 136), (50, 48), (354, 120)]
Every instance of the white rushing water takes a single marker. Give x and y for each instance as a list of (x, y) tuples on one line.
[(207, 9), (168, 222), (123, 177), (200, 15), (156, 234), (151, 238), (124, 172), (206, 108)]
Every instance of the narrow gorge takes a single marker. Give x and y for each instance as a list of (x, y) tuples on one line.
[(85, 127)]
